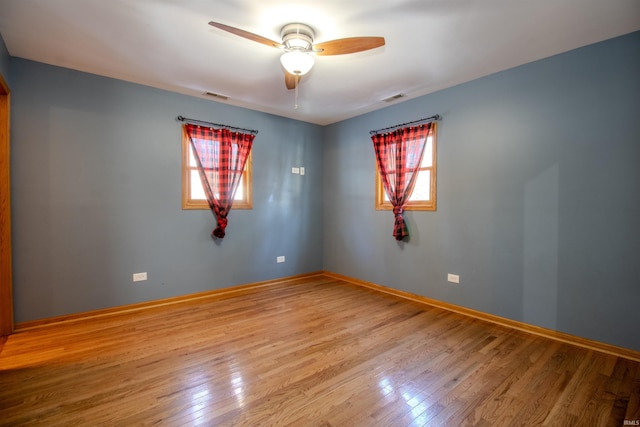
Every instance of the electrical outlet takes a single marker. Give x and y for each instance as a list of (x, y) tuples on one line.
[(453, 278), (280, 259), (139, 277)]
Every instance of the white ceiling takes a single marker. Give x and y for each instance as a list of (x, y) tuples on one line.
[(430, 44)]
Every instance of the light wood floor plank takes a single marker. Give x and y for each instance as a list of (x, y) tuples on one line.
[(317, 351)]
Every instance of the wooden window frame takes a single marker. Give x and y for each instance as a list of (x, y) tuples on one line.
[(415, 205), (194, 204)]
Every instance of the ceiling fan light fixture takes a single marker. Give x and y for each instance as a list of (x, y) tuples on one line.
[(296, 62)]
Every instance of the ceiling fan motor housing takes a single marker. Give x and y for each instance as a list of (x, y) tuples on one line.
[(297, 36)]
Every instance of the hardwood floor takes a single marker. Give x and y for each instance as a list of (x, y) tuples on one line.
[(313, 352)]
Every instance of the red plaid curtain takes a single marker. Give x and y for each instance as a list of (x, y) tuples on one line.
[(399, 154), (221, 156)]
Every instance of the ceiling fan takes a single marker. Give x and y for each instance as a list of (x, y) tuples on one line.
[(297, 42)]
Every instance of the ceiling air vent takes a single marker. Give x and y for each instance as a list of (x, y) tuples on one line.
[(217, 96), (394, 97)]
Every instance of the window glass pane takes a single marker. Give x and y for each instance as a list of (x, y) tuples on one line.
[(422, 189), (215, 149), (240, 190), (412, 159), (197, 193), (427, 160), (192, 159)]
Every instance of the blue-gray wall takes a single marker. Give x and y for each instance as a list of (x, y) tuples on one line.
[(4, 60), (538, 196), (96, 196)]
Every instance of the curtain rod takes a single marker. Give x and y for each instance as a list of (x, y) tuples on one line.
[(202, 122), (425, 120)]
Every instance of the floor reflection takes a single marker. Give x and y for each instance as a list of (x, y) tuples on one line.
[(199, 405), (237, 384), (416, 401)]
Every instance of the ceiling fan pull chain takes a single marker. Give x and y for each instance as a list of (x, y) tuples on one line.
[(295, 103)]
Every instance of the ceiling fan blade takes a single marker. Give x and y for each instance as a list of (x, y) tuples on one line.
[(348, 45), (291, 80), (247, 35)]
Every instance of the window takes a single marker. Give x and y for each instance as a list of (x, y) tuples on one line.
[(193, 196), (423, 196)]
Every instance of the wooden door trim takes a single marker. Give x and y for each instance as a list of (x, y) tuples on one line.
[(6, 286)]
